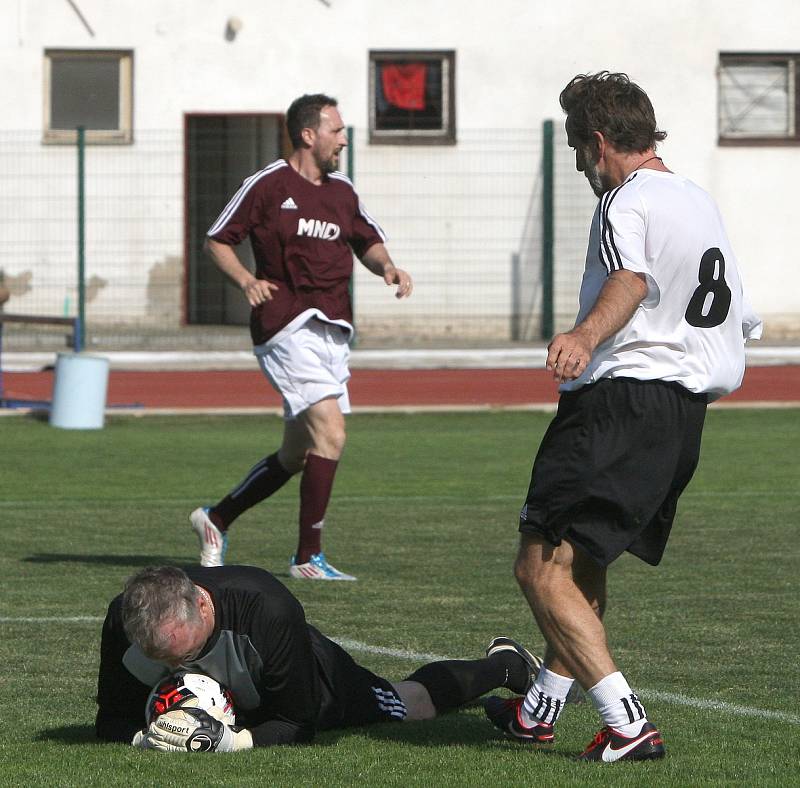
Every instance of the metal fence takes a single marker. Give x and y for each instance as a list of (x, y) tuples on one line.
[(466, 221)]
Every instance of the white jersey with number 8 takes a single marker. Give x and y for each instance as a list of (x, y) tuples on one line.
[(693, 323)]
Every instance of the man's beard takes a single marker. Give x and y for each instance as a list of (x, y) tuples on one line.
[(593, 176), (331, 164)]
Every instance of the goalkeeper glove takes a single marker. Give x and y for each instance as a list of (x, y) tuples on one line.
[(191, 730)]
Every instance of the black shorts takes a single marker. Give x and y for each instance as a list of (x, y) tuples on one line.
[(351, 694), (612, 465)]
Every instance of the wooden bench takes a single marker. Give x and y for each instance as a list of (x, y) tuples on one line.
[(73, 341)]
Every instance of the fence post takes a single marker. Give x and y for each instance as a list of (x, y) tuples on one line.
[(516, 305), (548, 223), (81, 323), (350, 154), (352, 175)]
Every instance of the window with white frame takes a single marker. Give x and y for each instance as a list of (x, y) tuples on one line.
[(759, 99), (412, 97), (89, 88)]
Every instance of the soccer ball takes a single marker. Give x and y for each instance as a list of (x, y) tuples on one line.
[(190, 690)]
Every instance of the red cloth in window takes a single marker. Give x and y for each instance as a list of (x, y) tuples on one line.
[(404, 84)]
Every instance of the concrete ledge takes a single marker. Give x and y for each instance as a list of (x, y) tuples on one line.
[(480, 358)]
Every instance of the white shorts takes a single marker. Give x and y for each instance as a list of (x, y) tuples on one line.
[(307, 366)]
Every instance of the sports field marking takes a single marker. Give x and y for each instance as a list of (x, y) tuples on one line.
[(365, 648), (668, 697), (50, 619), (54, 503)]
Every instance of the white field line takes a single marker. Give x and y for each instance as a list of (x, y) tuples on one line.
[(57, 502), (355, 645), (50, 619), (668, 697)]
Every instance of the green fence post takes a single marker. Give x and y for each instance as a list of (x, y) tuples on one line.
[(80, 329), (548, 234), (350, 154), (351, 174)]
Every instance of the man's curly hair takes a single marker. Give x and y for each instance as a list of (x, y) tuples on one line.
[(304, 113), (613, 105), (153, 596)]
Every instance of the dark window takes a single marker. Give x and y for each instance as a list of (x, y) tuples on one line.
[(91, 89), (759, 98), (412, 97)]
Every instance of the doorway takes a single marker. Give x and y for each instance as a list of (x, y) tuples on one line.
[(220, 152)]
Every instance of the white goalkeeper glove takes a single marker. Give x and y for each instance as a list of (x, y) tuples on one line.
[(191, 730)]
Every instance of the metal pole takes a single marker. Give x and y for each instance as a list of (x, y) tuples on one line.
[(80, 326), (516, 307), (350, 154), (548, 234), (351, 174)]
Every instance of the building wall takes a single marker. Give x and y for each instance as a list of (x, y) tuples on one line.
[(512, 59)]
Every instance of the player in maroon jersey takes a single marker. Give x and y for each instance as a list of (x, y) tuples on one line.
[(305, 222)]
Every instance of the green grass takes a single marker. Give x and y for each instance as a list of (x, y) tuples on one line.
[(424, 513)]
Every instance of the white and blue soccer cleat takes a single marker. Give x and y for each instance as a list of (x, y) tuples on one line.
[(316, 568), (213, 542)]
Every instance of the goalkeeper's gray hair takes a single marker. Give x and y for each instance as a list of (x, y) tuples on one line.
[(152, 597)]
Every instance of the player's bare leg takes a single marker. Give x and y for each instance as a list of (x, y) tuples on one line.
[(567, 613), (319, 433), (566, 591), (314, 441), (531, 719), (591, 580), (318, 430), (417, 700)]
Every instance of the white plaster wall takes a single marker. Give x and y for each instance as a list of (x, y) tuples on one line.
[(513, 57)]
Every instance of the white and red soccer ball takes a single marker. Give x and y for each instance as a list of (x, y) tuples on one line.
[(190, 690)]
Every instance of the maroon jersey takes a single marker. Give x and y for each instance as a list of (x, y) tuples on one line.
[(303, 238)]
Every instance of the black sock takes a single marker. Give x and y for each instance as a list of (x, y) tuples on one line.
[(454, 682), (517, 672), (265, 478)]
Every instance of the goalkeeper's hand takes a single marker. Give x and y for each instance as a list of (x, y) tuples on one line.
[(191, 730)]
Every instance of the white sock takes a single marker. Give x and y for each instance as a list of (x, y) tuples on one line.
[(545, 699), (618, 705)]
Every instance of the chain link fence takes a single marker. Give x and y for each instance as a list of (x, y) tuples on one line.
[(464, 220)]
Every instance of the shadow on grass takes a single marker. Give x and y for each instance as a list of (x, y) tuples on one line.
[(121, 560), (70, 734), (108, 560), (449, 730)]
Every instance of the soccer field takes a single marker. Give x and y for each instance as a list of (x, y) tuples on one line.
[(424, 513)]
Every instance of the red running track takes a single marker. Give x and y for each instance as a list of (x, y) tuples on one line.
[(368, 388)]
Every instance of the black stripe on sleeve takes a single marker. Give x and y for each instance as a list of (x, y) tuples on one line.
[(611, 259)]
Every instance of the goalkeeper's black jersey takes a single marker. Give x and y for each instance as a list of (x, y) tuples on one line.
[(281, 670)]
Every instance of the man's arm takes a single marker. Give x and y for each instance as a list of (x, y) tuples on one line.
[(121, 697), (377, 260), (225, 258), (289, 683), (569, 354)]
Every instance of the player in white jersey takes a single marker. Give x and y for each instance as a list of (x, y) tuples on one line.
[(689, 326), (660, 332)]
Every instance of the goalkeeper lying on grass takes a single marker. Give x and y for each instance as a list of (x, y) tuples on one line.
[(242, 627)]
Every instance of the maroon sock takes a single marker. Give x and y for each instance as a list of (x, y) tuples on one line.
[(265, 478), (315, 492)]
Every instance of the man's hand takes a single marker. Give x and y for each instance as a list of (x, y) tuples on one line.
[(377, 260), (191, 730), (258, 291), (569, 354), (397, 276)]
